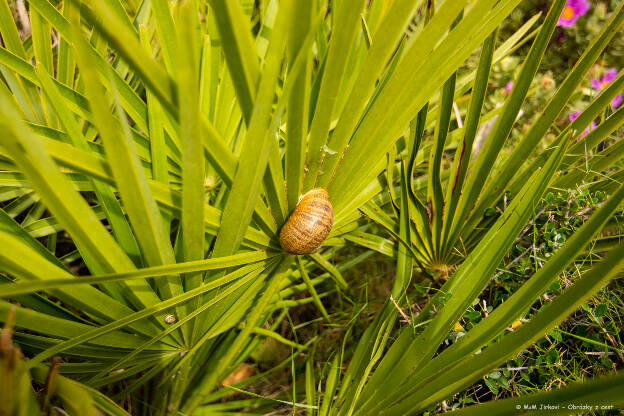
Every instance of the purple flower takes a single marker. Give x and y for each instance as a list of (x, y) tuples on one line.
[(601, 82), (508, 87), (572, 11), (616, 101), (589, 128)]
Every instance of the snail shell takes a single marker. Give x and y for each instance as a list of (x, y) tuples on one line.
[(308, 226)]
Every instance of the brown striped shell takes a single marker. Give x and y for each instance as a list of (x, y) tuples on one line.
[(308, 226)]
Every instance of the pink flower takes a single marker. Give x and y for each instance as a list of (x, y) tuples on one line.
[(572, 11), (589, 128), (601, 82), (508, 87)]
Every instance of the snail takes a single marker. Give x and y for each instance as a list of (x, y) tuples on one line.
[(309, 224)]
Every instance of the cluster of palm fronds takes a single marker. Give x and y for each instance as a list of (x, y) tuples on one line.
[(151, 151)]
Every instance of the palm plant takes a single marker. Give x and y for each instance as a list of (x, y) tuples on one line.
[(123, 141), (161, 148), (447, 206), (453, 232)]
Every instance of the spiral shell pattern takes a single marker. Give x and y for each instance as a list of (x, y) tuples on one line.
[(309, 225)]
